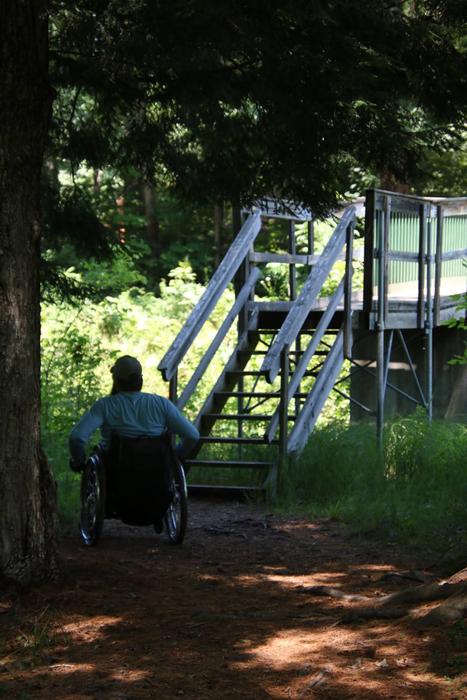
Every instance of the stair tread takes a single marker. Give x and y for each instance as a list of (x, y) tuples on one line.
[(239, 416), (226, 488), (259, 373), (258, 394), (243, 416), (291, 352), (235, 440), (228, 463), (250, 394)]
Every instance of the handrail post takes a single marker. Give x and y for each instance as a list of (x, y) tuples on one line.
[(369, 249), (292, 268), (429, 325), (438, 263), (244, 269), (310, 230), (242, 324), (421, 265), (173, 390), (348, 291), (381, 322), (293, 289), (284, 408), (173, 387)]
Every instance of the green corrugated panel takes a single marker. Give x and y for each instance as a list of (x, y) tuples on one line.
[(403, 236), (454, 238)]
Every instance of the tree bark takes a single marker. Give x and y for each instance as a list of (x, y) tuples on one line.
[(218, 243), (28, 522), (152, 222)]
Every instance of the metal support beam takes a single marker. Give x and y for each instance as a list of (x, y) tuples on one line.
[(429, 325)]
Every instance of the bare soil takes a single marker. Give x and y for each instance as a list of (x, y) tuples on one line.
[(223, 617)]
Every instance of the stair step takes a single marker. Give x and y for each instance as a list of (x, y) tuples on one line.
[(257, 394), (257, 373), (274, 331), (298, 353), (242, 416), (239, 416), (206, 489), (235, 441), (228, 464), (250, 394)]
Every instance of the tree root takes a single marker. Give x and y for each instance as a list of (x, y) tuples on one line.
[(396, 605)]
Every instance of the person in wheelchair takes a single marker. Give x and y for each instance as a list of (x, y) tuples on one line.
[(132, 424)]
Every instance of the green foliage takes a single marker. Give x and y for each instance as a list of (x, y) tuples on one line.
[(81, 342), (415, 494), (460, 322), (359, 85), (444, 173)]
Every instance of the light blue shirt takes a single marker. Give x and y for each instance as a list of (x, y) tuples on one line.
[(131, 414)]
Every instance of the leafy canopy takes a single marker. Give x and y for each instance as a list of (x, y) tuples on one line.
[(239, 100)]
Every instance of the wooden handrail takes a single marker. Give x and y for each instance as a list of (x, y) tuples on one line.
[(237, 306), (302, 364), (305, 301), (219, 282), (317, 396)]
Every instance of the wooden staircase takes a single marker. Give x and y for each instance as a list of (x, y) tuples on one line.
[(290, 354), (272, 388)]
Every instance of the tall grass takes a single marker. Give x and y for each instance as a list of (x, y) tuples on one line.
[(416, 493)]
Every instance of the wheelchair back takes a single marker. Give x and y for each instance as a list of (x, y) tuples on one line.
[(138, 472)]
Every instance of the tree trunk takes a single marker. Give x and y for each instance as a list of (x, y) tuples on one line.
[(152, 222), (28, 550), (218, 243)]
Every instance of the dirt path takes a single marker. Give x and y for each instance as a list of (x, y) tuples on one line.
[(221, 617)]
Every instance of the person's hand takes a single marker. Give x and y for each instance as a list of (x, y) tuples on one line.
[(77, 467)]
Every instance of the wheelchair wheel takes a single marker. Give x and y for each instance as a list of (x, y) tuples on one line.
[(177, 512), (93, 495)]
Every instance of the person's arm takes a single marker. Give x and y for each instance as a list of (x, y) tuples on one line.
[(181, 426), (81, 433)]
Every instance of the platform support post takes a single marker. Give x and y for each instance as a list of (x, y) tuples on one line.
[(383, 243), (429, 325)]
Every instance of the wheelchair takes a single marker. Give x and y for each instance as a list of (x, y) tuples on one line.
[(140, 481)]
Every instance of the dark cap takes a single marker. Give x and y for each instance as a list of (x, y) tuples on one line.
[(126, 366)]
